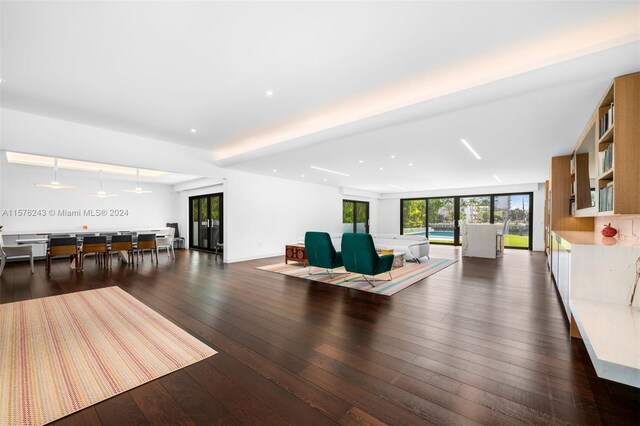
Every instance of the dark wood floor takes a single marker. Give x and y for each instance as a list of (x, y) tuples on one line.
[(483, 341)]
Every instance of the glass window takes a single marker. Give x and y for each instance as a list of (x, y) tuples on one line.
[(441, 220), (515, 210), (414, 217)]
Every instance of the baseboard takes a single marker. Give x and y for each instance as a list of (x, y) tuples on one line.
[(244, 259)]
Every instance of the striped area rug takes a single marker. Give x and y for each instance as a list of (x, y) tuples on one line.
[(61, 354), (402, 277)]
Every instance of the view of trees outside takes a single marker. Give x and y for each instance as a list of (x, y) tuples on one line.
[(475, 209), (437, 221), (441, 220), (348, 217), (414, 217), (516, 209)]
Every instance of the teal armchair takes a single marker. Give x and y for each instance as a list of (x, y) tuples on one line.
[(360, 256), (321, 253)]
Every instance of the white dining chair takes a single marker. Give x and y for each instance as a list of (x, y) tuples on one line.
[(9, 251), (166, 242)]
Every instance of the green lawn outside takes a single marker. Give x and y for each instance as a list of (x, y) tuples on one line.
[(516, 241)]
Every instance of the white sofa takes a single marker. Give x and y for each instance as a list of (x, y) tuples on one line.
[(415, 247)]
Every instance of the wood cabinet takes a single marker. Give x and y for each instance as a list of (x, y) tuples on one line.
[(560, 200), (296, 253)]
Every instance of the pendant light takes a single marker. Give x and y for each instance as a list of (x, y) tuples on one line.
[(54, 184), (102, 193), (138, 189)]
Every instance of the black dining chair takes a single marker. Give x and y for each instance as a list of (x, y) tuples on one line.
[(62, 246), (120, 243), (147, 242), (96, 245)]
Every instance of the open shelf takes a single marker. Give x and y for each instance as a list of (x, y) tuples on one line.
[(608, 136), (608, 175)]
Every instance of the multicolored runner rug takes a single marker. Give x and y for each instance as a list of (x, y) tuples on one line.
[(403, 277), (61, 354)]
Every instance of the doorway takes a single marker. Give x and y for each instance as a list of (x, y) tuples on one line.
[(205, 221)]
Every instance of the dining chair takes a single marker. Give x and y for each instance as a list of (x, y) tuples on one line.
[(166, 242), (62, 246), (96, 245), (120, 243), (14, 250), (176, 236), (147, 242), (500, 236)]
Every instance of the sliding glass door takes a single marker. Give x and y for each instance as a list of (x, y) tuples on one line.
[(515, 211), (439, 218), (355, 216), (205, 221)]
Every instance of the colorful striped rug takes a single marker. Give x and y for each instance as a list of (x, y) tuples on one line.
[(401, 278), (61, 354)]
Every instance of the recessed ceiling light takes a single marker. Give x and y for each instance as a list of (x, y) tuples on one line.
[(360, 161), (329, 171), (301, 176), (269, 93), (393, 156), (325, 180), (193, 130), (473, 151), (410, 164), (497, 178), (275, 170), (381, 168)]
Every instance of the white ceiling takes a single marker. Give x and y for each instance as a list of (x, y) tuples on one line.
[(339, 72)]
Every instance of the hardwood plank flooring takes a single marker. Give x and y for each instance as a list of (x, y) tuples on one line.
[(481, 342)]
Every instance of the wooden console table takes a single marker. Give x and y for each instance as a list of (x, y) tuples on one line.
[(296, 253)]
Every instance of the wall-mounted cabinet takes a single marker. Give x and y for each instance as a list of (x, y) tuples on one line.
[(605, 177)]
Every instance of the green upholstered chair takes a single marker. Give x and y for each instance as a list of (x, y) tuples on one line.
[(320, 252), (360, 256)]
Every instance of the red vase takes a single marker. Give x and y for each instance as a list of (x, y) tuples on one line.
[(609, 231)]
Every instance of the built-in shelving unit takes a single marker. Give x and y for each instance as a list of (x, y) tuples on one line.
[(593, 274), (604, 175)]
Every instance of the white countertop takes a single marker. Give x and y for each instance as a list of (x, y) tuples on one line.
[(611, 333), (596, 239)]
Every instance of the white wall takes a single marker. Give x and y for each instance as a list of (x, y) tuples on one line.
[(389, 206), (139, 210), (262, 214)]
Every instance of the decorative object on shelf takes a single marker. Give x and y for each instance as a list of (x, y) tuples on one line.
[(609, 231), (632, 294)]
